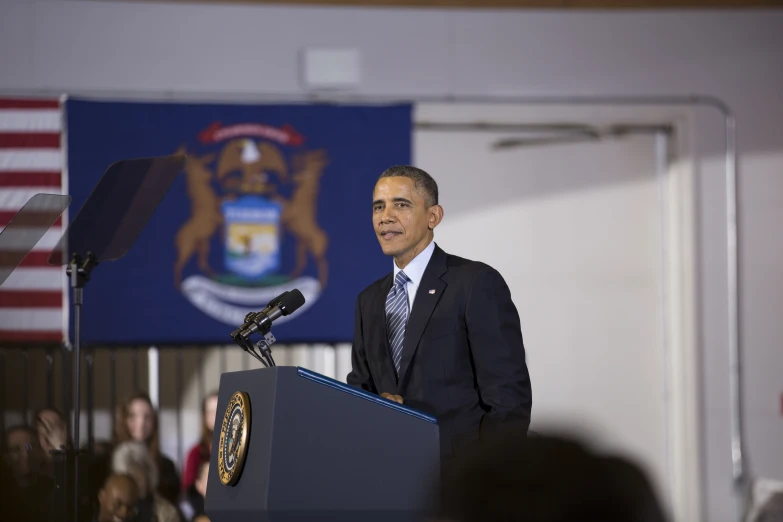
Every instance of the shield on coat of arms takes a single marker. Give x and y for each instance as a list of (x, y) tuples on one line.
[(252, 227)]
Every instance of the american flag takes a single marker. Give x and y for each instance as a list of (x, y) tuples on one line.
[(31, 162)]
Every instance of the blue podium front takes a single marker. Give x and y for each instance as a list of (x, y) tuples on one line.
[(298, 446)]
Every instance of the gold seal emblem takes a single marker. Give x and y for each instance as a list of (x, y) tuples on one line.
[(234, 434)]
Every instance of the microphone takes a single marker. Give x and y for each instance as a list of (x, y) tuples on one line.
[(284, 304)]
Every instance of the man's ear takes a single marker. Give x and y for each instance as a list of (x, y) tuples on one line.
[(435, 216)]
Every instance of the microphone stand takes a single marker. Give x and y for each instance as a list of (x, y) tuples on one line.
[(260, 350)]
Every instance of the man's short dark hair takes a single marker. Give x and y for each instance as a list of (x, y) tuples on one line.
[(423, 182)]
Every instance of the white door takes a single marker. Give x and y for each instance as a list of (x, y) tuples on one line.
[(575, 229)]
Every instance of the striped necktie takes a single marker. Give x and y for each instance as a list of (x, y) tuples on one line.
[(397, 317)]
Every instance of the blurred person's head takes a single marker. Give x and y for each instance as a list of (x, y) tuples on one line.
[(405, 211), (772, 510), (22, 453), (134, 459), (137, 421), (201, 479), (209, 412), (544, 479), (118, 499), (52, 431)]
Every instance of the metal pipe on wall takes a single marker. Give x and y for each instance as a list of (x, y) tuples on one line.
[(662, 139), (735, 381)]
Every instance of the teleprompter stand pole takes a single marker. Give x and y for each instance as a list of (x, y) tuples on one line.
[(78, 272)]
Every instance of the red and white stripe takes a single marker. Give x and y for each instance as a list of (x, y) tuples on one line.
[(31, 162)]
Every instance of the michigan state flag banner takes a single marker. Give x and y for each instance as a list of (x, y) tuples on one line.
[(271, 198)]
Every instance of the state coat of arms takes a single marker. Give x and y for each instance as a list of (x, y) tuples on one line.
[(239, 205)]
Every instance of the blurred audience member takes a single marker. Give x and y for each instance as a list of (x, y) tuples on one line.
[(542, 479), (193, 506), (31, 490), (200, 452), (118, 499), (52, 435), (137, 421), (134, 459), (772, 510)]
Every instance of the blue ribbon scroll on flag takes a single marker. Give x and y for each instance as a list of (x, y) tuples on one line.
[(271, 198)]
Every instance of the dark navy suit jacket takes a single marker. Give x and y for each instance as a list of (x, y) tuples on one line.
[(463, 359)]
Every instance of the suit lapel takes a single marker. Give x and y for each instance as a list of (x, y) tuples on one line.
[(423, 306)]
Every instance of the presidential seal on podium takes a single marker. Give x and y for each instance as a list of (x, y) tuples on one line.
[(234, 437)]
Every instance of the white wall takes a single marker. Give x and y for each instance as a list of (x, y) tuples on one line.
[(231, 51)]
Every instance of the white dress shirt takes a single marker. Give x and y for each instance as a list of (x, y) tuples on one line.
[(415, 271)]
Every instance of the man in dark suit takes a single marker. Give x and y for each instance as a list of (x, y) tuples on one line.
[(440, 333)]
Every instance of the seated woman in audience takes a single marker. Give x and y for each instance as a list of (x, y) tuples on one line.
[(200, 452), (52, 435), (137, 421), (134, 459)]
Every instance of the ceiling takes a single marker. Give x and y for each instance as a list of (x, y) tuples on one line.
[(525, 4)]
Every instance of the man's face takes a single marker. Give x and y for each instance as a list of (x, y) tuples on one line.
[(402, 220), (22, 452), (118, 500)]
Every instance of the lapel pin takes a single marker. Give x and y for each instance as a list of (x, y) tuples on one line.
[(432, 291)]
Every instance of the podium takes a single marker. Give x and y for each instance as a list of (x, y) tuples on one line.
[(315, 449)]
